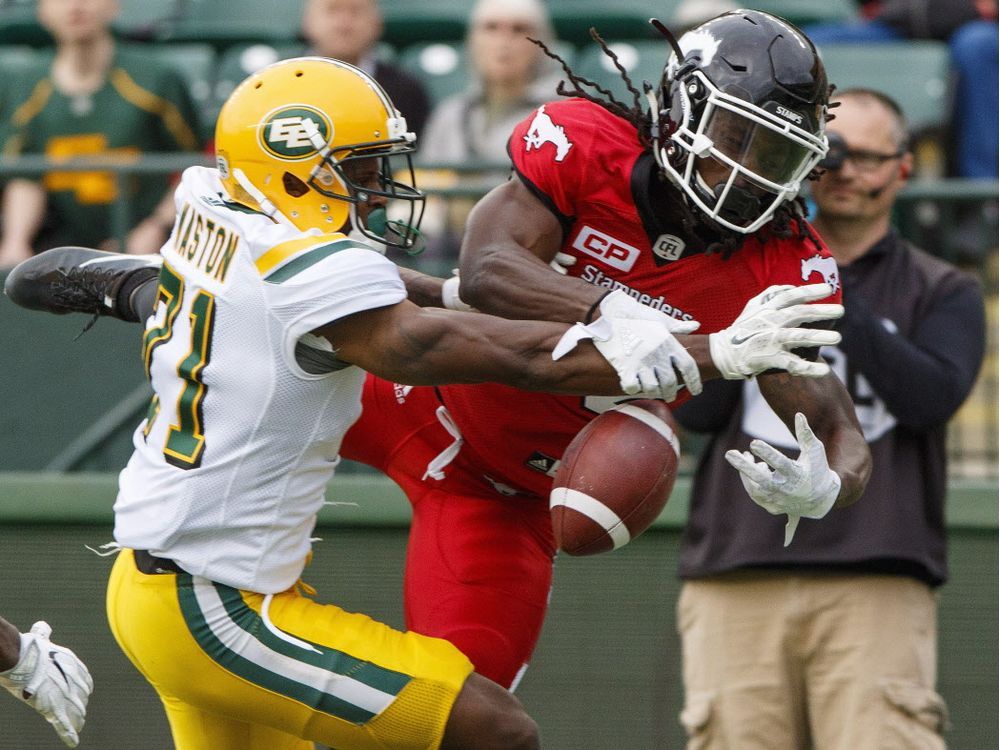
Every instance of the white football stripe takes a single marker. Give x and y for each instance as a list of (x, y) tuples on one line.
[(653, 421), (593, 509), (237, 640)]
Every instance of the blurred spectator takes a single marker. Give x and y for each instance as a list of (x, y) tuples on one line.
[(509, 81), (970, 29), (831, 642), (349, 30), (95, 98), (510, 77)]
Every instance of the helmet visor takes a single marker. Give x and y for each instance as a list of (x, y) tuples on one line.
[(756, 147)]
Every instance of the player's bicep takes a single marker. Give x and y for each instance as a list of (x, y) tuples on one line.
[(509, 221), (408, 344), (509, 240)]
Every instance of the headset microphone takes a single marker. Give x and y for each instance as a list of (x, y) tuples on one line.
[(876, 192)]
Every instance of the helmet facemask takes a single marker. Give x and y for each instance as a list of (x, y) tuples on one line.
[(738, 120), (739, 162), (333, 177), (312, 142)]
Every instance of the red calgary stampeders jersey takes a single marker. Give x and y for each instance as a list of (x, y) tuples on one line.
[(588, 167)]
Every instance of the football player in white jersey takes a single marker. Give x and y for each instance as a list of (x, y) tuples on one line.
[(266, 318)]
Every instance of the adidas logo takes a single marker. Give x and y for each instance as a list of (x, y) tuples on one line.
[(545, 464)]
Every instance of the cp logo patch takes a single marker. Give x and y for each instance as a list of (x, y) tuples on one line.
[(288, 133)]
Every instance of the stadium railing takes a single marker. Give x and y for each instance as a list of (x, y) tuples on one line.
[(928, 213)]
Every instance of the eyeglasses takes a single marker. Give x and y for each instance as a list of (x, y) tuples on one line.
[(861, 160)]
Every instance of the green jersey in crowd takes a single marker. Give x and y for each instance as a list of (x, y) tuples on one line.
[(144, 106)]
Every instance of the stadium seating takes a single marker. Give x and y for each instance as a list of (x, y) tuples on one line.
[(915, 73), (225, 23), (410, 21), (444, 68), (16, 57), (441, 65), (643, 59), (19, 24), (239, 61), (801, 12), (146, 19), (615, 19)]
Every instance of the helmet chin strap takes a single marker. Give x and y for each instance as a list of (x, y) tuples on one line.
[(358, 231), (265, 205)]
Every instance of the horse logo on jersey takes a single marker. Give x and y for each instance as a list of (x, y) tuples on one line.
[(295, 132), (824, 266), (542, 130)]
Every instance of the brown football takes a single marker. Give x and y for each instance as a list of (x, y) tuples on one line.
[(614, 478)]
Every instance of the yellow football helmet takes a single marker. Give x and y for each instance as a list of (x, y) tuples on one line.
[(285, 134)]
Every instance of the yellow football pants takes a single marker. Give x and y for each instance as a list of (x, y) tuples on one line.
[(238, 671)]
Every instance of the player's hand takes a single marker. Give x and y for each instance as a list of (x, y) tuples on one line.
[(806, 486), (52, 680), (764, 334), (639, 342), (449, 294)]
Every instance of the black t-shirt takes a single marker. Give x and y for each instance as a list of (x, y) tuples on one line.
[(913, 342)]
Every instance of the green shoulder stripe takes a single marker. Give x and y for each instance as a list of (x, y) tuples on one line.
[(309, 258)]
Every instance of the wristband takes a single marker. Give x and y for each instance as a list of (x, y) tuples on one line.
[(450, 298), (589, 317)]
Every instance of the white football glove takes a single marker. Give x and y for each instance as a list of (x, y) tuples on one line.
[(805, 487), (639, 343), (52, 680), (449, 294), (762, 336), (562, 263)]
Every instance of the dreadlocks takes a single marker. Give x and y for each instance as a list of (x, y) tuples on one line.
[(789, 218), (635, 114)]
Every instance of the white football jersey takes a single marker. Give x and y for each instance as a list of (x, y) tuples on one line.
[(232, 461)]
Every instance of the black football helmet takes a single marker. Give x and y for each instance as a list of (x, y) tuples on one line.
[(739, 118)]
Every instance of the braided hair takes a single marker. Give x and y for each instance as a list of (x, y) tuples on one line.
[(789, 217)]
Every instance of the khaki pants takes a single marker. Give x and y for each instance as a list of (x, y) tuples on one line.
[(780, 661)]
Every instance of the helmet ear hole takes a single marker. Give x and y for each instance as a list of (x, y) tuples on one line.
[(294, 186)]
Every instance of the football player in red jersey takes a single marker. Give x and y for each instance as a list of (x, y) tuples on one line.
[(684, 201)]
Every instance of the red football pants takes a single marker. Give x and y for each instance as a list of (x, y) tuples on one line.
[(478, 563)]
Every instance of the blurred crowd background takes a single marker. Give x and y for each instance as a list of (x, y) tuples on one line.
[(104, 102), (463, 73)]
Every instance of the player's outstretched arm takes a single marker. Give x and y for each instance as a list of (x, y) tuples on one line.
[(423, 346), (834, 460)]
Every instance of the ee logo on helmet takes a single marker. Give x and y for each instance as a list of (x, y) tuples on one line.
[(295, 133)]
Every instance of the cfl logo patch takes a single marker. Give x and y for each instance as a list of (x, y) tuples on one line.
[(668, 247), (606, 248)]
